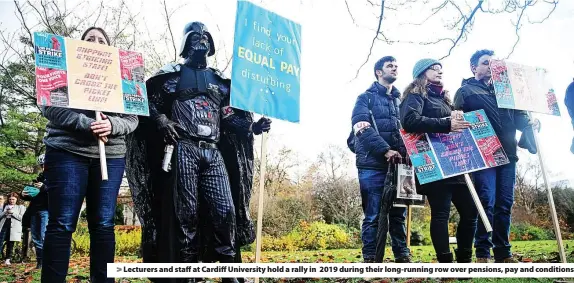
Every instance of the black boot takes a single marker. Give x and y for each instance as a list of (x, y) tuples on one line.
[(445, 258), (39, 258), (463, 256)]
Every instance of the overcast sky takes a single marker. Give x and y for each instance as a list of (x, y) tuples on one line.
[(333, 48)]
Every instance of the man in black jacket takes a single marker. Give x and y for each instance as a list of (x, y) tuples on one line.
[(494, 186), (377, 142), (35, 218)]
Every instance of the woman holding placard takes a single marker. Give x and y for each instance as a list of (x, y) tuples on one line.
[(426, 108), (73, 172)]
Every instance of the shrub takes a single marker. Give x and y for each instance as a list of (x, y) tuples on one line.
[(528, 232), (312, 236), (128, 240)]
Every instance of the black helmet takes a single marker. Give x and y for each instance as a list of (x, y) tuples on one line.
[(198, 27)]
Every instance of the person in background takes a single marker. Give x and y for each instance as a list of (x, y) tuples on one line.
[(427, 108), (2, 201), (11, 225), (73, 172), (376, 143), (494, 186), (569, 102), (36, 216)]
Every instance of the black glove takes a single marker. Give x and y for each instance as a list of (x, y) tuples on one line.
[(168, 129), (263, 125)]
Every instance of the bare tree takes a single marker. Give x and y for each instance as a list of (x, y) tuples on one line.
[(458, 18), (528, 185)]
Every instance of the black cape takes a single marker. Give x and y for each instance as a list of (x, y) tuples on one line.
[(152, 188)]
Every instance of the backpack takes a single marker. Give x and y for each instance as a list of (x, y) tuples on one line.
[(351, 138)]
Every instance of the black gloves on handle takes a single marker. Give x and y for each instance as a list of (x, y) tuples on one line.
[(263, 125), (168, 129)]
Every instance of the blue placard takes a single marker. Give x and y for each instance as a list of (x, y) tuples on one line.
[(457, 152), (50, 51), (265, 77)]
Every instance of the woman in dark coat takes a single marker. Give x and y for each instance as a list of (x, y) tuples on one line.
[(427, 108)]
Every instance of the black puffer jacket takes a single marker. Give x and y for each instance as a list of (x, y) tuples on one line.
[(428, 114), (370, 146), (475, 95)]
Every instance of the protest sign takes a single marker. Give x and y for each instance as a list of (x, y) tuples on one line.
[(82, 75), (523, 87), (528, 88), (265, 77), (406, 188), (437, 156)]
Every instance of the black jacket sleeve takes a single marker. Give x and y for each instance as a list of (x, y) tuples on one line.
[(521, 120), (368, 138), (414, 121), (458, 102)]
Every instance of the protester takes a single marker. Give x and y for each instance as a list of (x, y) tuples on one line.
[(376, 143), (569, 102), (494, 186), (35, 219), (2, 200), (73, 173), (11, 225), (426, 108)]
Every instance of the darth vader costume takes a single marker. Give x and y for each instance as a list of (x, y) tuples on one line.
[(212, 157)]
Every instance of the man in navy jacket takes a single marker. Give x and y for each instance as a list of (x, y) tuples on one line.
[(376, 143)]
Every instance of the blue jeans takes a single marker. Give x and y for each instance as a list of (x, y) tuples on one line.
[(372, 183), (495, 188), (71, 178), (38, 222)]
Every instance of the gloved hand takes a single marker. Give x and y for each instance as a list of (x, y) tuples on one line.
[(168, 129), (263, 125), (536, 125)]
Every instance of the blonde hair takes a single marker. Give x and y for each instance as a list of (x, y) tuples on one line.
[(419, 86)]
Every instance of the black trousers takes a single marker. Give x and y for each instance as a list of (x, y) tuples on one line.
[(201, 176)]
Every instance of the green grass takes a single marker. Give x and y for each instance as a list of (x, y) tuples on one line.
[(535, 251)]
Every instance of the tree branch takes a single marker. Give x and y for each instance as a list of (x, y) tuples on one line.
[(527, 4), (167, 17), (463, 29), (374, 38), (349, 11)]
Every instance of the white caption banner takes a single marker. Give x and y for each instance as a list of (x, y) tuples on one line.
[(343, 270)]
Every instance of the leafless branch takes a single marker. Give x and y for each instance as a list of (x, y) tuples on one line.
[(374, 38), (349, 10), (517, 28), (100, 9), (167, 20), (22, 20), (435, 11), (463, 28), (555, 3), (44, 21)]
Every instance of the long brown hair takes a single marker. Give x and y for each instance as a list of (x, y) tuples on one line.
[(419, 87)]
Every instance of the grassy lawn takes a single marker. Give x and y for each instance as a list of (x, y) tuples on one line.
[(532, 251)]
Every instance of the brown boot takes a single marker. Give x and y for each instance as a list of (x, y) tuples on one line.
[(507, 260), (481, 260)]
